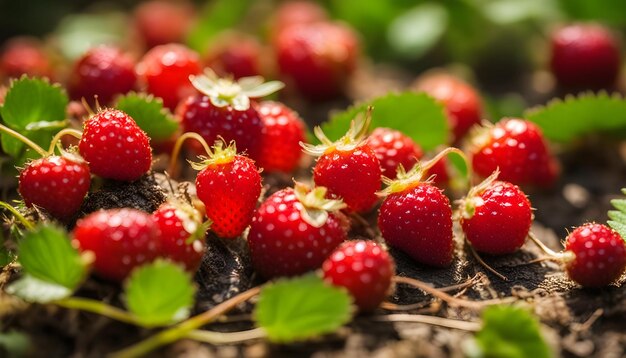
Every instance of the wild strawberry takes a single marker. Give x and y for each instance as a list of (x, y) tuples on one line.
[(104, 71), (237, 56), (161, 22), (393, 148), (496, 217), (181, 234), (224, 110), (462, 102), (597, 255), (585, 56), (229, 185), (348, 167), (317, 58), (24, 56), (364, 269), (115, 147), (283, 130), (121, 239), (165, 72), (517, 148), (416, 217), (56, 183), (294, 230), (298, 12)]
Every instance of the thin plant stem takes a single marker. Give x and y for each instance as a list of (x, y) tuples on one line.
[(182, 329), (93, 306), (57, 137), (543, 246), (484, 264), (178, 145), (27, 224), (217, 338), (432, 320), (23, 139)]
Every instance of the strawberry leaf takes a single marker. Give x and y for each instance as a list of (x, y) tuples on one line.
[(618, 217), (301, 308), (15, 344), (415, 114), (565, 120), (34, 108), (53, 269), (508, 332), (148, 112), (159, 293)]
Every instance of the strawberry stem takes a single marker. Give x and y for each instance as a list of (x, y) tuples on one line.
[(178, 145), (432, 320), (57, 137), (93, 306), (548, 251), (226, 337), (27, 224), (22, 138), (182, 329), (484, 264)]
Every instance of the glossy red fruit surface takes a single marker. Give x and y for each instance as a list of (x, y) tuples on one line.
[(393, 148), (24, 56), (283, 130), (290, 13), (237, 56), (161, 22)]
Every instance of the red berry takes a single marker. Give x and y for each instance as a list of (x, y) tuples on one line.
[(121, 239), (237, 56), (599, 255), (517, 148), (104, 71), (224, 110), (177, 223), (298, 12), (416, 218), (293, 232), (229, 185), (162, 22), (283, 130), (393, 148), (317, 58), (24, 56), (115, 147), (439, 173), (585, 56), (462, 101), (496, 217), (165, 71), (364, 269), (56, 183)]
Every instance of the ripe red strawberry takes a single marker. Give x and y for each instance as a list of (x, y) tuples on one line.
[(496, 217), (161, 22), (462, 101), (393, 148), (223, 110), (517, 148), (348, 167), (104, 71), (115, 147), (56, 183), (181, 234), (297, 12), (416, 218), (585, 56), (236, 55), (317, 58), (24, 56), (283, 130), (364, 269), (165, 72), (121, 239), (597, 255), (294, 230), (229, 185)]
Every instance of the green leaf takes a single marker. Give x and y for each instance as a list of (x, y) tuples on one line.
[(77, 33), (606, 11), (149, 114), (509, 332), (563, 121), (618, 217), (417, 115), (301, 308), (416, 31), (216, 16), (32, 289), (15, 344), (34, 108), (159, 293)]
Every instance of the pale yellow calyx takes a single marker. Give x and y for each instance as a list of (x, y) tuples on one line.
[(315, 205), (480, 135), (71, 154), (468, 204), (219, 155), (226, 91), (354, 137), (404, 180)]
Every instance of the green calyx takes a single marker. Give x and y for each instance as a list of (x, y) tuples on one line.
[(219, 155), (468, 205), (315, 205), (355, 136)]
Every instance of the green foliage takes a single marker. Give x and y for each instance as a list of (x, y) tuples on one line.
[(301, 308), (607, 11), (77, 33), (216, 16), (34, 108), (149, 114), (618, 217), (14, 344), (52, 268), (509, 332), (565, 120), (416, 31), (417, 115), (159, 293)]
